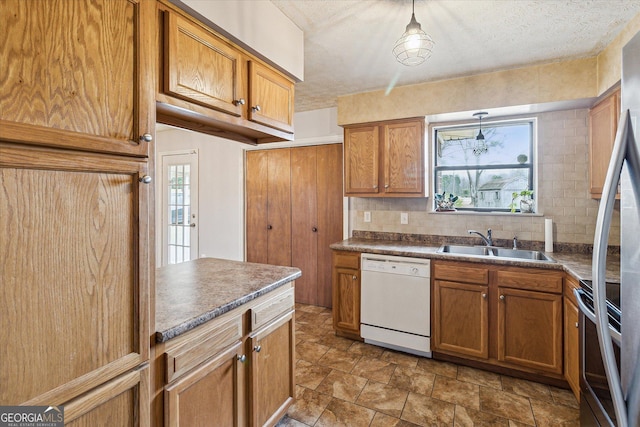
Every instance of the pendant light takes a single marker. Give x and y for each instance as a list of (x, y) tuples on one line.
[(481, 145), (415, 46)]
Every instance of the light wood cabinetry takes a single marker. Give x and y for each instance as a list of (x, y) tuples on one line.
[(571, 336), (268, 206), (385, 159), (75, 244), (236, 370), (316, 214), (211, 85), (294, 212), (603, 125), (509, 317), (346, 294)]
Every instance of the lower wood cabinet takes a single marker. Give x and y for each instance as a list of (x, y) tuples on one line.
[(235, 370), (509, 317), (346, 294), (571, 336)]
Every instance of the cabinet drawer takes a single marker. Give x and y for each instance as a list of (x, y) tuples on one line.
[(535, 280), (202, 346), (272, 308), (456, 272), (346, 260), (571, 283)]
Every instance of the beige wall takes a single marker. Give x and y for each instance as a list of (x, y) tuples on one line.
[(562, 194), (610, 59)]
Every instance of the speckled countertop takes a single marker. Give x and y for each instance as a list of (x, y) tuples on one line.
[(192, 293), (576, 264)]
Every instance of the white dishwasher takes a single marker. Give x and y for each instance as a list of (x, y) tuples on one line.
[(395, 303)]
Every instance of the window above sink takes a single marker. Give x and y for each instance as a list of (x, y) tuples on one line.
[(485, 181)]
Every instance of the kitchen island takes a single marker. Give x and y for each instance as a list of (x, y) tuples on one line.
[(224, 343)]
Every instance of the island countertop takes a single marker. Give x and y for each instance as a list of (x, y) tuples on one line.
[(191, 293)]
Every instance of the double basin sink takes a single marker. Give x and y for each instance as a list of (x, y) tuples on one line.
[(494, 252)]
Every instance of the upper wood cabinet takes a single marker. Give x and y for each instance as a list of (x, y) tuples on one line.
[(74, 79), (603, 125), (385, 159), (211, 85)]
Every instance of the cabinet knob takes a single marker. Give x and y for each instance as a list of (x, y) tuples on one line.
[(242, 358), (257, 348), (145, 179), (269, 227), (375, 187), (484, 295), (314, 229), (146, 137), (240, 101), (386, 186), (256, 108), (502, 297), (354, 277), (193, 224), (576, 324)]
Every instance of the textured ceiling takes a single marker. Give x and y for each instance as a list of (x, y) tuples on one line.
[(348, 42)]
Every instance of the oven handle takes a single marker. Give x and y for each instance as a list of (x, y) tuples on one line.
[(600, 243), (589, 314)]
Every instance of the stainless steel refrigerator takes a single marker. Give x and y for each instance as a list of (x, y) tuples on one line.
[(624, 168)]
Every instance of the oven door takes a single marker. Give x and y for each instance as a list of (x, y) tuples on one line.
[(596, 403)]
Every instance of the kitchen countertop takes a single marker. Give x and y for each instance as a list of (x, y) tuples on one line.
[(576, 264), (191, 293)]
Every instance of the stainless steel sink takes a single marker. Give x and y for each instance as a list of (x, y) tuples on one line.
[(493, 252)]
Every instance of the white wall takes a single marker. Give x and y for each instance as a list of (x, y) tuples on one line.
[(261, 26), (221, 194)]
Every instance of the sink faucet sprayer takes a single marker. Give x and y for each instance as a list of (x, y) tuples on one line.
[(487, 240)]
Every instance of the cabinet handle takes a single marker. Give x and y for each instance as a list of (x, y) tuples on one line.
[(147, 137), (576, 324), (256, 108), (257, 348), (269, 227), (240, 101), (242, 358), (314, 229), (354, 277), (145, 179), (484, 295), (502, 297)]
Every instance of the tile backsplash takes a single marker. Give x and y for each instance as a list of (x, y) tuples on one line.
[(562, 195)]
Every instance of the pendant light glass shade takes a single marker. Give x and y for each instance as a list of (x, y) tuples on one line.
[(481, 145), (415, 46)]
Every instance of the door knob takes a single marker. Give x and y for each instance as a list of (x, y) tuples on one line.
[(193, 224), (314, 229), (269, 227)]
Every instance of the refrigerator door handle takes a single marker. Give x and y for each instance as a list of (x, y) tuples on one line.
[(600, 243)]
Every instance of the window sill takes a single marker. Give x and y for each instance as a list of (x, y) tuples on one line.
[(518, 214)]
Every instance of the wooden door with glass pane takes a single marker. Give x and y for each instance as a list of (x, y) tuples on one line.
[(179, 206)]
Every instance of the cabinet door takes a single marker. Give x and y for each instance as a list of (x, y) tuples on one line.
[(346, 301), (361, 160), (123, 401), (256, 187), (603, 123), (272, 371), (571, 347), (207, 395), (200, 67), (78, 74), (530, 329), (271, 100), (404, 157), (75, 272), (461, 318)]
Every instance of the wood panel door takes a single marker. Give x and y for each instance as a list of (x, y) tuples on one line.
[(272, 97), (316, 209), (346, 301), (268, 206), (200, 67), (272, 371), (404, 157), (361, 160), (78, 75), (209, 394), (603, 124), (461, 318), (74, 256), (571, 346), (530, 329)]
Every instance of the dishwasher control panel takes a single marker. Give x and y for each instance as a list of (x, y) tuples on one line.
[(396, 265)]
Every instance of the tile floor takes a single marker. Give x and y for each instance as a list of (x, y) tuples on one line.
[(340, 382)]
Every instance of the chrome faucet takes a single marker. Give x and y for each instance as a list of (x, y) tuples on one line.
[(487, 240)]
